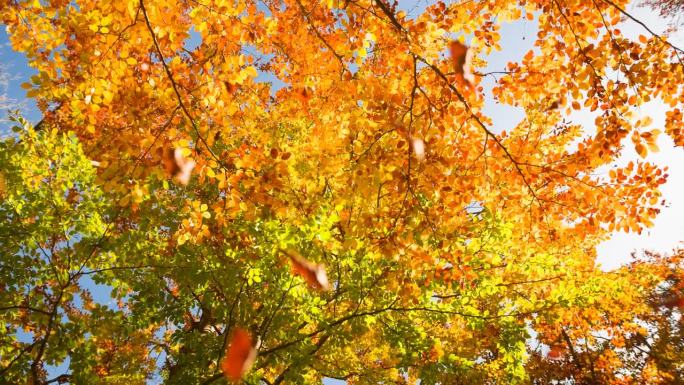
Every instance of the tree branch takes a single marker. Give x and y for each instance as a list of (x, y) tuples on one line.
[(634, 19)]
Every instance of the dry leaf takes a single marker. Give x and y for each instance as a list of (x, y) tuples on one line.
[(556, 353), (240, 355), (178, 165), (418, 148), (462, 57), (314, 274)]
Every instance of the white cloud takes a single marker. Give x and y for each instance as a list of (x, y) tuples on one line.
[(8, 103)]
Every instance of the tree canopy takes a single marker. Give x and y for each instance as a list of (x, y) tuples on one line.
[(317, 183)]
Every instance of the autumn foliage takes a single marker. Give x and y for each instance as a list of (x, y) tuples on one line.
[(281, 191)]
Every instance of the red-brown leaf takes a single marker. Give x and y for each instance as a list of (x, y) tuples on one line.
[(240, 355), (314, 274)]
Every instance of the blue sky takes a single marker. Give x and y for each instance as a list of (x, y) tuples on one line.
[(13, 71), (517, 39)]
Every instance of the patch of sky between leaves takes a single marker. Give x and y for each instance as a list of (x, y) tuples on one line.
[(666, 231), (14, 69), (194, 40), (517, 38), (101, 294), (52, 370)]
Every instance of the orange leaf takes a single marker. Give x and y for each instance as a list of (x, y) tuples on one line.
[(556, 353), (240, 355), (230, 87), (462, 56), (314, 274)]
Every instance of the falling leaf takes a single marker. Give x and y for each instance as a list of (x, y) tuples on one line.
[(462, 57), (314, 274), (188, 321), (418, 148), (304, 94), (230, 87), (677, 301), (178, 165), (556, 353), (240, 355), (72, 196)]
